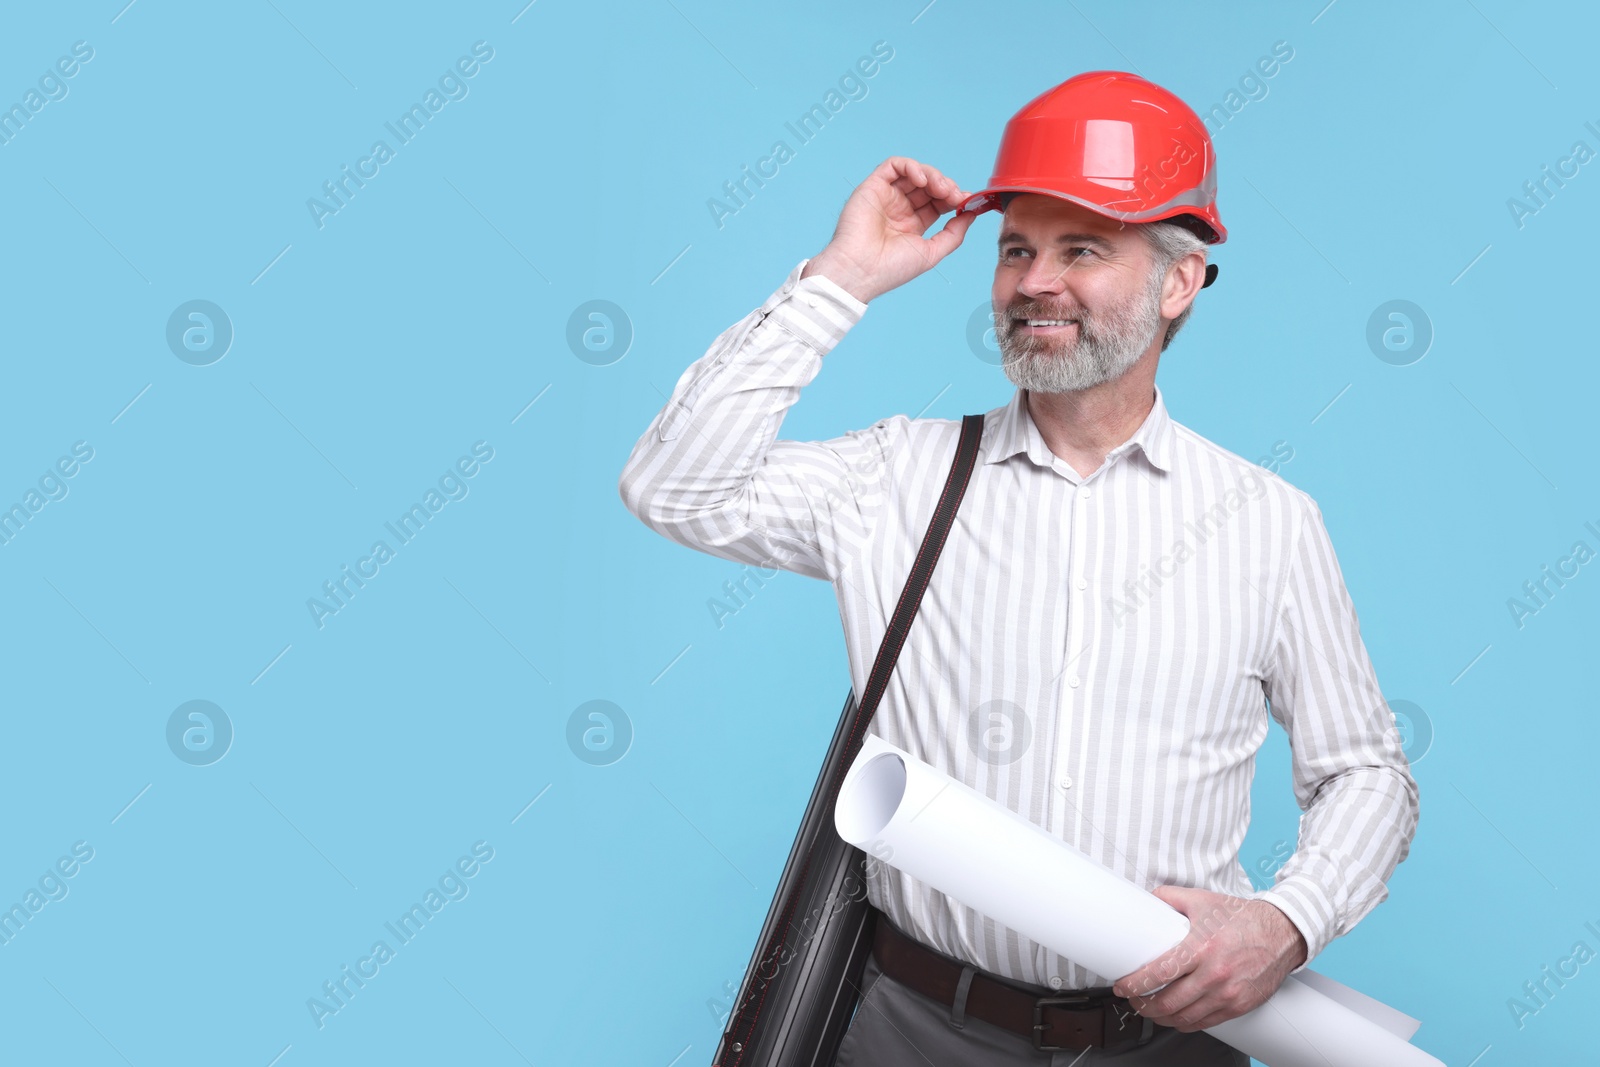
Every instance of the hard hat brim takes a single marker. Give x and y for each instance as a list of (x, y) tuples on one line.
[(1186, 204), (989, 200)]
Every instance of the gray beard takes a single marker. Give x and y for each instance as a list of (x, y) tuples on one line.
[(1106, 345)]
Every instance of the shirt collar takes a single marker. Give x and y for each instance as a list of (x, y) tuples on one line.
[(1016, 432)]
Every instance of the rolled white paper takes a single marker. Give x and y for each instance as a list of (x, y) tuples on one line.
[(940, 832)]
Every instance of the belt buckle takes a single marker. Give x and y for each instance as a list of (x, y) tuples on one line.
[(1079, 1000)]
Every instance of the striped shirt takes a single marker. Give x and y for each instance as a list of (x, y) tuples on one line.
[(1098, 653)]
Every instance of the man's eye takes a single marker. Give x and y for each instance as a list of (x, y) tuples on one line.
[(1080, 248), (1007, 254)]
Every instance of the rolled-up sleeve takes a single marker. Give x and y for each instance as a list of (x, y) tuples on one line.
[(1351, 778), (710, 472)]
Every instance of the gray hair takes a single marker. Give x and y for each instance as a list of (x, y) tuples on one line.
[(1170, 242)]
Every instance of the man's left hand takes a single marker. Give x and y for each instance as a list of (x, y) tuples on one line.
[(1236, 955)]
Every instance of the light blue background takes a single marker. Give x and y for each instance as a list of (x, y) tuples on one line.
[(431, 310)]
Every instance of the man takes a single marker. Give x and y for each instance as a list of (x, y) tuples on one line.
[(1122, 599)]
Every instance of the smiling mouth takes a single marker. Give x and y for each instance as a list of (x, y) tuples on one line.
[(1038, 325)]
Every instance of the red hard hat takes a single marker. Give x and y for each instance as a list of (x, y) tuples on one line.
[(1119, 145)]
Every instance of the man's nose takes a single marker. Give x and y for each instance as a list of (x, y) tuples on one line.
[(1046, 276)]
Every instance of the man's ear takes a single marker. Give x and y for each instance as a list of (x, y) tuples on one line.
[(1184, 279)]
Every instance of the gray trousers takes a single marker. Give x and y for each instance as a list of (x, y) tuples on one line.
[(897, 1027)]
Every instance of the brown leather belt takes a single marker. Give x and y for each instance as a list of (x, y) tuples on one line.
[(1070, 1021)]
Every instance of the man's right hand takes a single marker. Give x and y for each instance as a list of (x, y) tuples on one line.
[(878, 244)]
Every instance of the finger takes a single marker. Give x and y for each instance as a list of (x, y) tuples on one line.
[(910, 213), (901, 170), (949, 238), (892, 174), (927, 184), (920, 198), (926, 210), (943, 191), (908, 184), (1167, 999), (920, 176), (929, 205), (1165, 968), (1177, 897), (953, 198), (892, 167), (1147, 987), (1174, 1000)]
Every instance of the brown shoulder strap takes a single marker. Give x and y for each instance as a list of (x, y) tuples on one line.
[(944, 516)]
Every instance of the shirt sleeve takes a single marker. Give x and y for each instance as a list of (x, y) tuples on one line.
[(710, 473), (1351, 779)]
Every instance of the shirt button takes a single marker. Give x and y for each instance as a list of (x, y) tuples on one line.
[(1083, 494), (811, 300), (1065, 782), (1073, 681), (1083, 583)]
